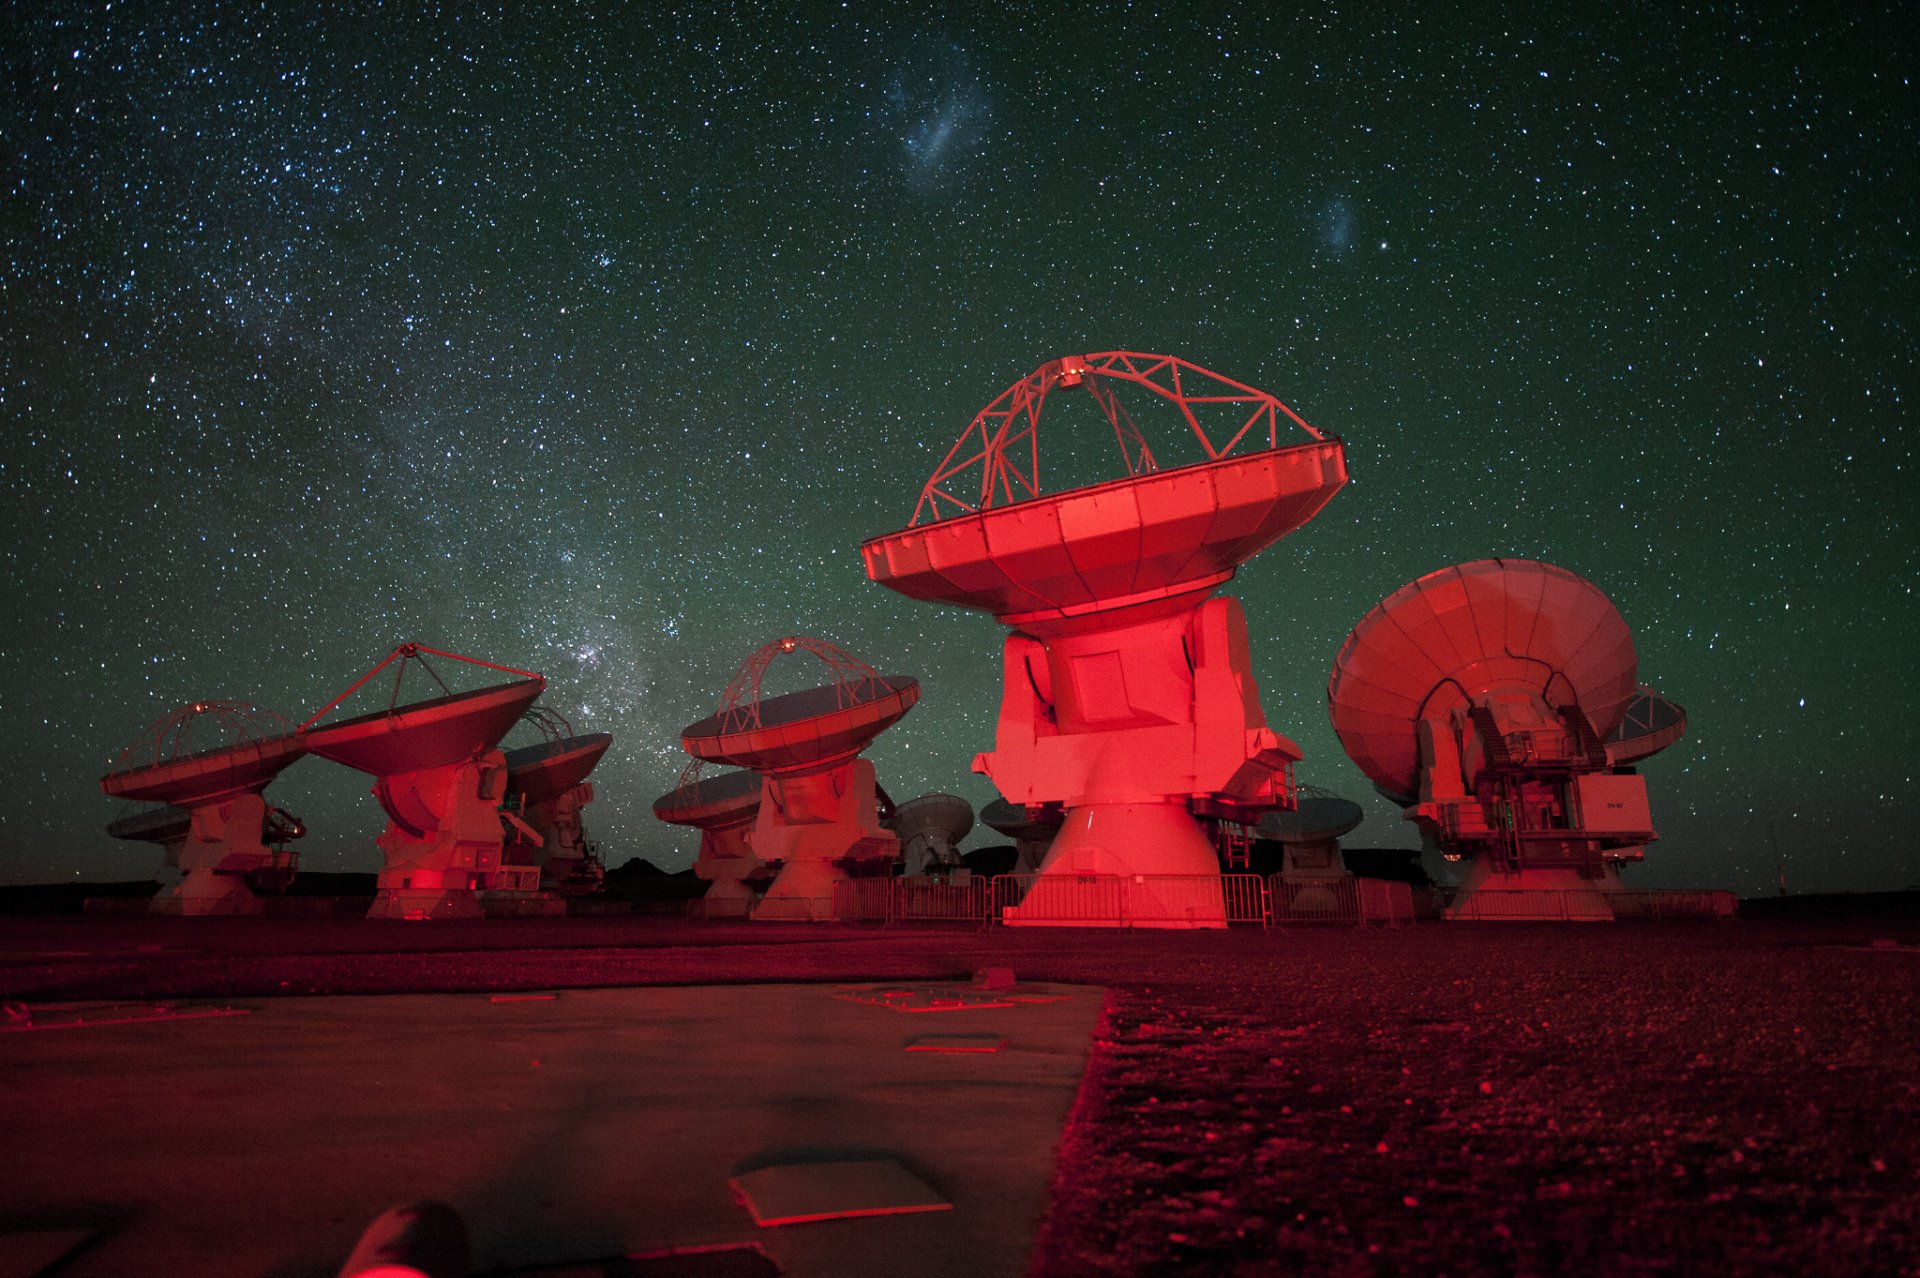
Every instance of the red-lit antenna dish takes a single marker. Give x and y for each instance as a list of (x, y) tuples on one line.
[(163, 825), (985, 535), (204, 751), (711, 802), (423, 734), (1465, 631), (801, 731), (552, 768), (1651, 724)]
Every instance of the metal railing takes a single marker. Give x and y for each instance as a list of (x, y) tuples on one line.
[(1674, 903), (1385, 902), (935, 900), (1109, 900), (1130, 900), (1058, 899)]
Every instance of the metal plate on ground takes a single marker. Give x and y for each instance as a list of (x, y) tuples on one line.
[(795, 1193), (957, 1043)]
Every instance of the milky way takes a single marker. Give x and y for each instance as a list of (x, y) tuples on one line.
[(594, 341)]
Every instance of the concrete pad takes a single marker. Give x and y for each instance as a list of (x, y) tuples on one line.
[(599, 1123)]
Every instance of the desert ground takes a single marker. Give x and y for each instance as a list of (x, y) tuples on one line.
[(1630, 1098)]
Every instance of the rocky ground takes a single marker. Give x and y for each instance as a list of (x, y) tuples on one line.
[(1493, 1099)]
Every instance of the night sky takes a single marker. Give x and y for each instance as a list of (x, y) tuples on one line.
[(594, 340)]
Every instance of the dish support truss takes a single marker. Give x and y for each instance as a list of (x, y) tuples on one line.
[(996, 460)]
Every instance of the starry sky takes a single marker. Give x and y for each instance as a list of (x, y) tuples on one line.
[(593, 339)]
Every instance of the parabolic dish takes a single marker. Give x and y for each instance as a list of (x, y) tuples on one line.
[(1317, 819), (550, 768), (948, 814), (1011, 819), (804, 730), (1109, 545), (152, 825), (1651, 724), (726, 798), (426, 734), (1465, 631), (192, 779)]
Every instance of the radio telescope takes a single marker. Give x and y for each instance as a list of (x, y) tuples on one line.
[(930, 829), (722, 807), (439, 776), (1311, 870), (1480, 697), (214, 760), (1651, 724), (546, 788), (1032, 834), (1128, 696), (817, 820)]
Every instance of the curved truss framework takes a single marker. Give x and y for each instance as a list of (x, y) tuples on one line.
[(1002, 442), (853, 680), (550, 724), (406, 654), (200, 727)]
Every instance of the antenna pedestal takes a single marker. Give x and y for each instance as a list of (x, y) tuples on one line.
[(223, 845), (443, 841), (1127, 719), (571, 867), (1534, 893), (1171, 870), (727, 864), (822, 828), (723, 809)]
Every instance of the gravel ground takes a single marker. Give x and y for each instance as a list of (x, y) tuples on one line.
[(1494, 1099)]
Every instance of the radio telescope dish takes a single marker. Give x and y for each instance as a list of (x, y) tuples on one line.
[(1651, 724), (1482, 692), (930, 829), (1128, 696), (439, 776), (213, 759), (546, 788), (1312, 874), (1318, 819), (722, 807), (163, 824), (1032, 831), (817, 817)]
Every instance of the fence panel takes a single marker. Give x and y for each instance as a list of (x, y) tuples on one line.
[(739, 908), (1058, 900), (1249, 900), (1674, 903), (862, 900), (1385, 901), (1173, 900), (1331, 900), (918, 899)]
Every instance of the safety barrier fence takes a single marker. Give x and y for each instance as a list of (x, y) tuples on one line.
[(1147, 900), (1352, 902), (863, 900), (932, 900), (732, 908), (1385, 902), (1674, 903), (1520, 905), (1130, 900), (1550, 904)]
